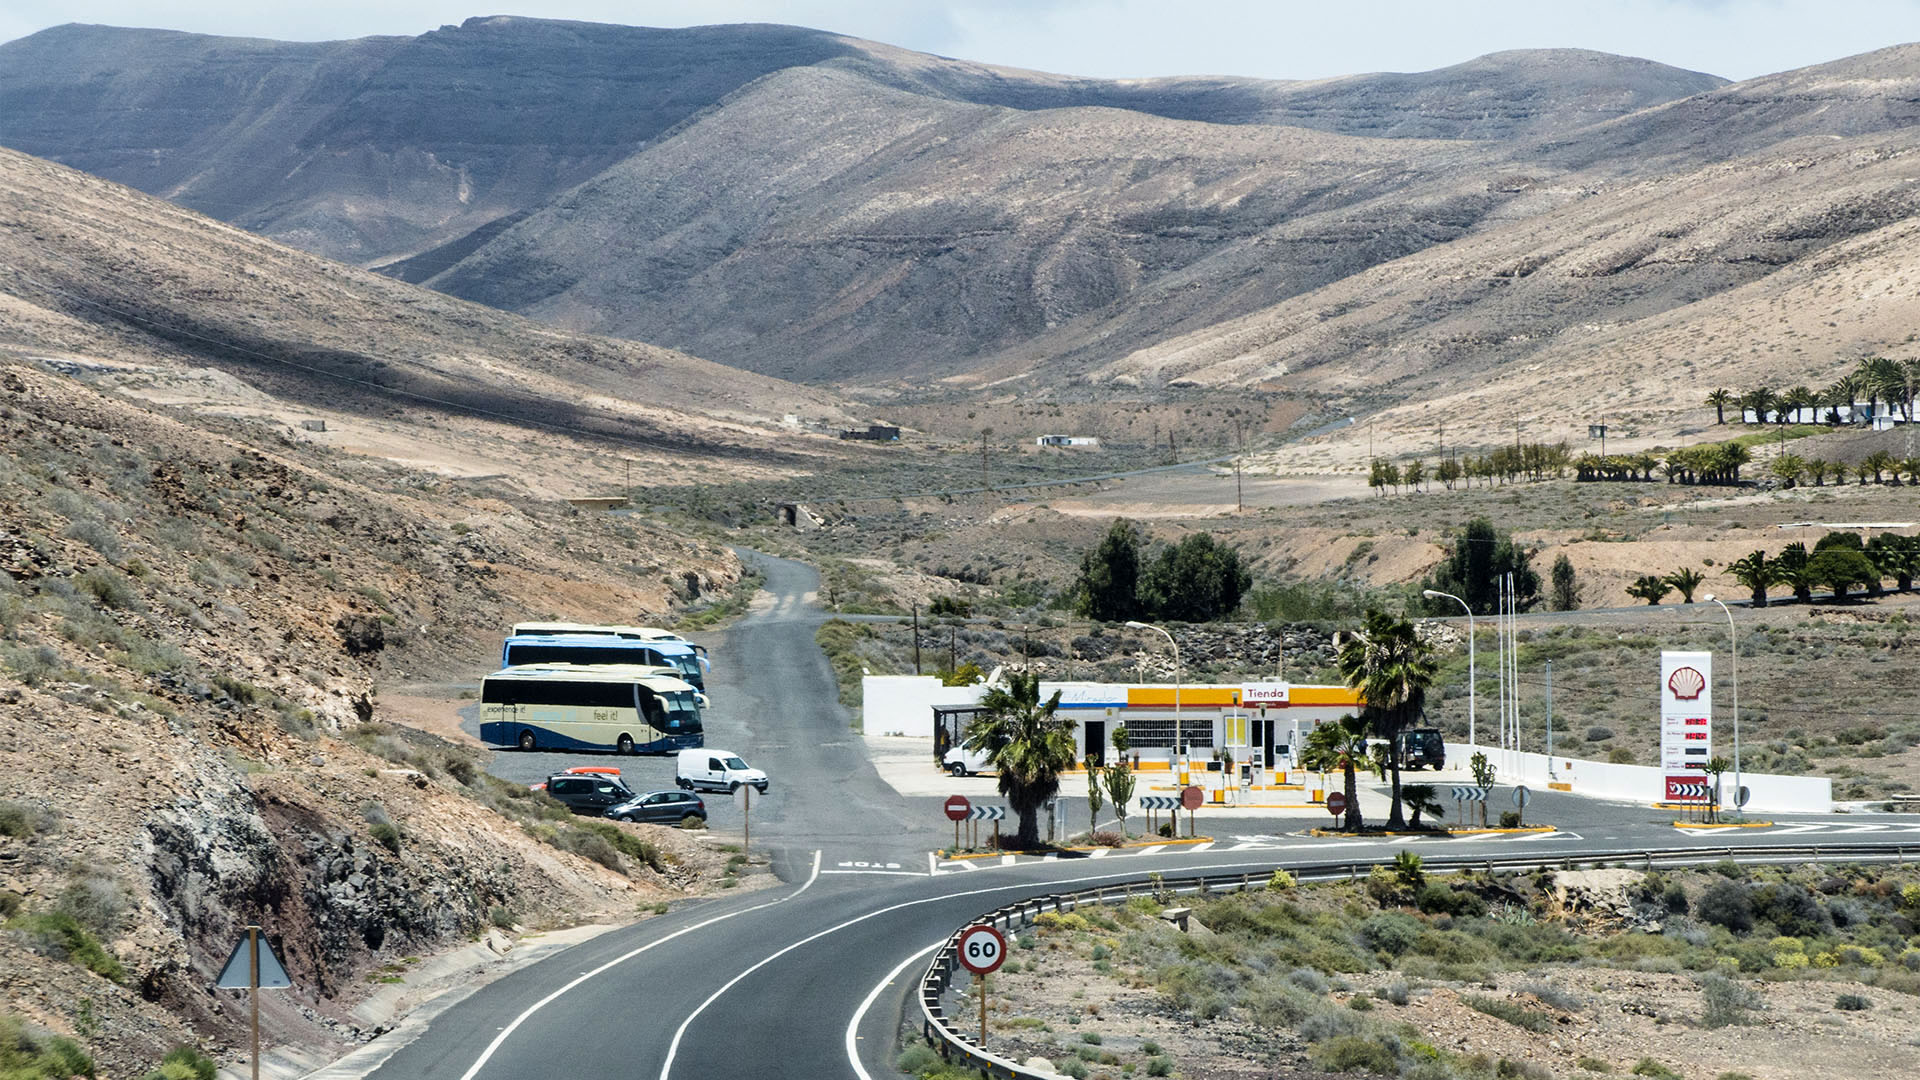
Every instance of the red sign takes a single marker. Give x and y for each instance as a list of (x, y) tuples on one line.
[(982, 949), (1191, 797), (958, 808), (1694, 788), (1336, 804)]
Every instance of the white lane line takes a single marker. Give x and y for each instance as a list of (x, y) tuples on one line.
[(853, 1052), (501, 1038), (933, 865)]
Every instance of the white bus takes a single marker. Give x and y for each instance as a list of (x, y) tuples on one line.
[(637, 633), (623, 708)]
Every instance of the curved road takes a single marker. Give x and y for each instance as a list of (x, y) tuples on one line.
[(810, 978)]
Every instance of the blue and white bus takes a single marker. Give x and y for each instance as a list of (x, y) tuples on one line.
[(627, 709), (523, 649), (638, 633)]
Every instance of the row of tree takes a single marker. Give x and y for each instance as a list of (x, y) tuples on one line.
[(1195, 580), (1839, 561), (1875, 378), (1502, 465), (1876, 468)]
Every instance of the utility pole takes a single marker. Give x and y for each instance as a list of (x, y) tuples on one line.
[(1550, 772), (986, 479), (1239, 494), (916, 639)]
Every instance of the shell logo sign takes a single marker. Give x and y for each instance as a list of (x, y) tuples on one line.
[(1686, 683)]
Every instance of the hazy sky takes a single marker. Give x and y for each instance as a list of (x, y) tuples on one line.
[(1115, 38)]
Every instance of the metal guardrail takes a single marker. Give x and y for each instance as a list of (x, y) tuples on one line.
[(946, 961)]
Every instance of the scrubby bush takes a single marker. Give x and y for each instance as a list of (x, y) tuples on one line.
[(39, 1057), (1791, 908), (1727, 1002), (1728, 904), (1354, 1053), (1391, 932), (184, 1063), (1852, 1003), (60, 935), (1653, 1070), (1511, 1011)]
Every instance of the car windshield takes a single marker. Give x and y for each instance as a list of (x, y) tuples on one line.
[(735, 763)]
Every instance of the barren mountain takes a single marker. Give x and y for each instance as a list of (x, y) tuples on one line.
[(94, 270)]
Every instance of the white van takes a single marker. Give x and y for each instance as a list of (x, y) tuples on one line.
[(961, 761), (716, 770)]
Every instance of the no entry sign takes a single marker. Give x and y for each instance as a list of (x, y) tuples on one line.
[(1336, 804), (982, 949), (1191, 797), (958, 808)]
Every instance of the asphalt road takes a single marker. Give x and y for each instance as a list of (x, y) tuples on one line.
[(810, 978)]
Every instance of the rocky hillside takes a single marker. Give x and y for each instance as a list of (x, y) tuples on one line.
[(195, 624)]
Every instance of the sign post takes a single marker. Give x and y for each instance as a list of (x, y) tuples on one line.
[(958, 810), (1686, 724), (252, 965), (982, 951), (746, 821), (1521, 797), (1190, 797)]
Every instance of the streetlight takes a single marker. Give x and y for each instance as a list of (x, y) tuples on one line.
[(1433, 593), (1733, 637), (1176, 679)]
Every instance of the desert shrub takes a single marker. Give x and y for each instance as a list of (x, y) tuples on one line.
[(185, 1063), (97, 535), (1728, 904), (916, 1059), (1599, 733), (1791, 908), (109, 588), (1354, 1053), (1511, 1011), (95, 900), (1674, 899), (1549, 994), (1396, 992), (461, 768), (245, 693), (1360, 1003), (500, 916), (1159, 1066), (1653, 1070), (1593, 1064), (1074, 1068), (22, 820), (387, 834), (1391, 932), (1441, 898), (1510, 819), (1727, 1002), (39, 1057), (1509, 1069), (61, 936), (1852, 1003)]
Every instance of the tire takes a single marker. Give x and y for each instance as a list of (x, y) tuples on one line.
[(625, 745), (685, 784), (733, 788), (526, 740), (957, 769)]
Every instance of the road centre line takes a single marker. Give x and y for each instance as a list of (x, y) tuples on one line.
[(498, 1040)]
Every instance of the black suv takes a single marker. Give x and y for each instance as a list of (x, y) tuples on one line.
[(1423, 748), (592, 795)]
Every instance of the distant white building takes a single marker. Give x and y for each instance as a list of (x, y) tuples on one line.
[(1085, 441)]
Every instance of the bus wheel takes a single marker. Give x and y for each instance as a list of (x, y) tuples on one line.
[(626, 744), (526, 740)]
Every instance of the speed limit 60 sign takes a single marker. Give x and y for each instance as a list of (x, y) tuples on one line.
[(982, 949)]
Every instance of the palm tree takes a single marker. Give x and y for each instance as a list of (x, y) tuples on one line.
[(1761, 401), (1422, 799), (1720, 399), (1756, 573), (1848, 387), (1794, 401), (1879, 462), (1392, 668), (1686, 579), (1027, 743), (1339, 746), (1788, 468), (1790, 569), (1649, 587)]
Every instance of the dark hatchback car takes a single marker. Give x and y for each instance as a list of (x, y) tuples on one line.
[(589, 795), (661, 808)]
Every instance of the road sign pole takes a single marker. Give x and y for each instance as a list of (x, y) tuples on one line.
[(956, 837), (982, 980), (746, 823), (253, 992)]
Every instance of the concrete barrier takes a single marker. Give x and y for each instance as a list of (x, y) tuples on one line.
[(1771, 793)]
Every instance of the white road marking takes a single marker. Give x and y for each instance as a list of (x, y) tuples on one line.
[(1099, 853), (501, 1038), (887, 873), (853, 1053)]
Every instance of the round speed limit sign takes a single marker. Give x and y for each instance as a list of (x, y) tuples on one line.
[(982, 949)]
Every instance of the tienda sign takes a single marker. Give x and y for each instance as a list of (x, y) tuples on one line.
[(1272, 693)]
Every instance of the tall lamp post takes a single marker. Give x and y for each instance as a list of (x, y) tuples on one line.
[(1176, 679), (1433, 594), (1734, 638)]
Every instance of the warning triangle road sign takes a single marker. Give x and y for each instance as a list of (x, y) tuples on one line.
[(236, 974)]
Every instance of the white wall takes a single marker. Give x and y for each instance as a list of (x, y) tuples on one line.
[(903, 704), (1645, 783)]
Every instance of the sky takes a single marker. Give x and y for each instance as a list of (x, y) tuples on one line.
[(1279, 39)]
